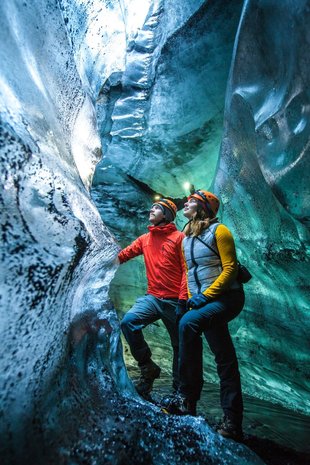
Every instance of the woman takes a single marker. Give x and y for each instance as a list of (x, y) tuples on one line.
[(216, 298)]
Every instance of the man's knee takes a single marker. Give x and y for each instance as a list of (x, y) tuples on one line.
[(127, 323)]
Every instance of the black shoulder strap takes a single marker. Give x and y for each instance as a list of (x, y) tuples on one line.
[(215, 241), (207, 245)]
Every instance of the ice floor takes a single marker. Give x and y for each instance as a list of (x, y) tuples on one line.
[(263, 420)]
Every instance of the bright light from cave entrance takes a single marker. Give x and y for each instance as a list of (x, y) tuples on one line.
[(187, 185)]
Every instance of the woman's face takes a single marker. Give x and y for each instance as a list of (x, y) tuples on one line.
[(190, 208)]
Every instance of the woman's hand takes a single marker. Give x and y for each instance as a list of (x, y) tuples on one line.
[(197, 301)]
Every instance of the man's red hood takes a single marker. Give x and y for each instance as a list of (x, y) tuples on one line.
[(167, 229)]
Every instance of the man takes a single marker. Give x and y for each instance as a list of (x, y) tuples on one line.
[(166, 290)]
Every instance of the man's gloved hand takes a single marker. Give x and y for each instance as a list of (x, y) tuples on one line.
[(180, 310), (197, 301)]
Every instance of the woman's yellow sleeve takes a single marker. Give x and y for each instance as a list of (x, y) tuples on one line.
[(226, 247)]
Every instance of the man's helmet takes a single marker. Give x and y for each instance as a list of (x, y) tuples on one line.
[(168, 207)]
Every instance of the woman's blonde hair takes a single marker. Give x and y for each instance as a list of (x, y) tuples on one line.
[(200, 221)]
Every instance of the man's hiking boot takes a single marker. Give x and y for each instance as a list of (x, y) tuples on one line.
[(177, 404), (149, 372), (230, 430)]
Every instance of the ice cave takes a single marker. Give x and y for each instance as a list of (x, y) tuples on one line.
[(103, 104)]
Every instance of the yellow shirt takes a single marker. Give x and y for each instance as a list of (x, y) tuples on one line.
[(227, 252), (226, 247)]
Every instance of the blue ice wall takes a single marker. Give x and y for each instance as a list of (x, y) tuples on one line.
[(263, 180), (64, 392)]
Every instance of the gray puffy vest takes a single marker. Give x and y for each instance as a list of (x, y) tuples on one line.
[(204, 266)]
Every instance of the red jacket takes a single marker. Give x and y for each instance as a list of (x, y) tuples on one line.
[(164, 263)]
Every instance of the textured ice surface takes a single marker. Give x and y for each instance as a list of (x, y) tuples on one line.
[(151, 77), (263, 180), (64, 391)]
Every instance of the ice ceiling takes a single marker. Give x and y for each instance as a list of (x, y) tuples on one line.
[(161, 92)]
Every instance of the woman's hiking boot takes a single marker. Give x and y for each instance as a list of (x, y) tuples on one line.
[(177, 404), (149, 372), (230, 430)]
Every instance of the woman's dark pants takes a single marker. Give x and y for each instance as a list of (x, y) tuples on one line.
[(212, 320)]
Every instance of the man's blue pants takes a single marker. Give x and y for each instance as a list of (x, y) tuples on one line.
[(146, 310)]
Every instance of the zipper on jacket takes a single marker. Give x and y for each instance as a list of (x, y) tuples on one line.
[(198, 283)]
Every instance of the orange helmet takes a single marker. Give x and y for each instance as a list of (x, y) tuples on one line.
[(169, 205), (209, 201)]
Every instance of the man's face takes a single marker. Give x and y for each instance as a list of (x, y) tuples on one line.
[(156, 214)]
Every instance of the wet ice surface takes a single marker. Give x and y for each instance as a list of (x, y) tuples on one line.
[(261, 418), (278, 435), (86, 419)]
